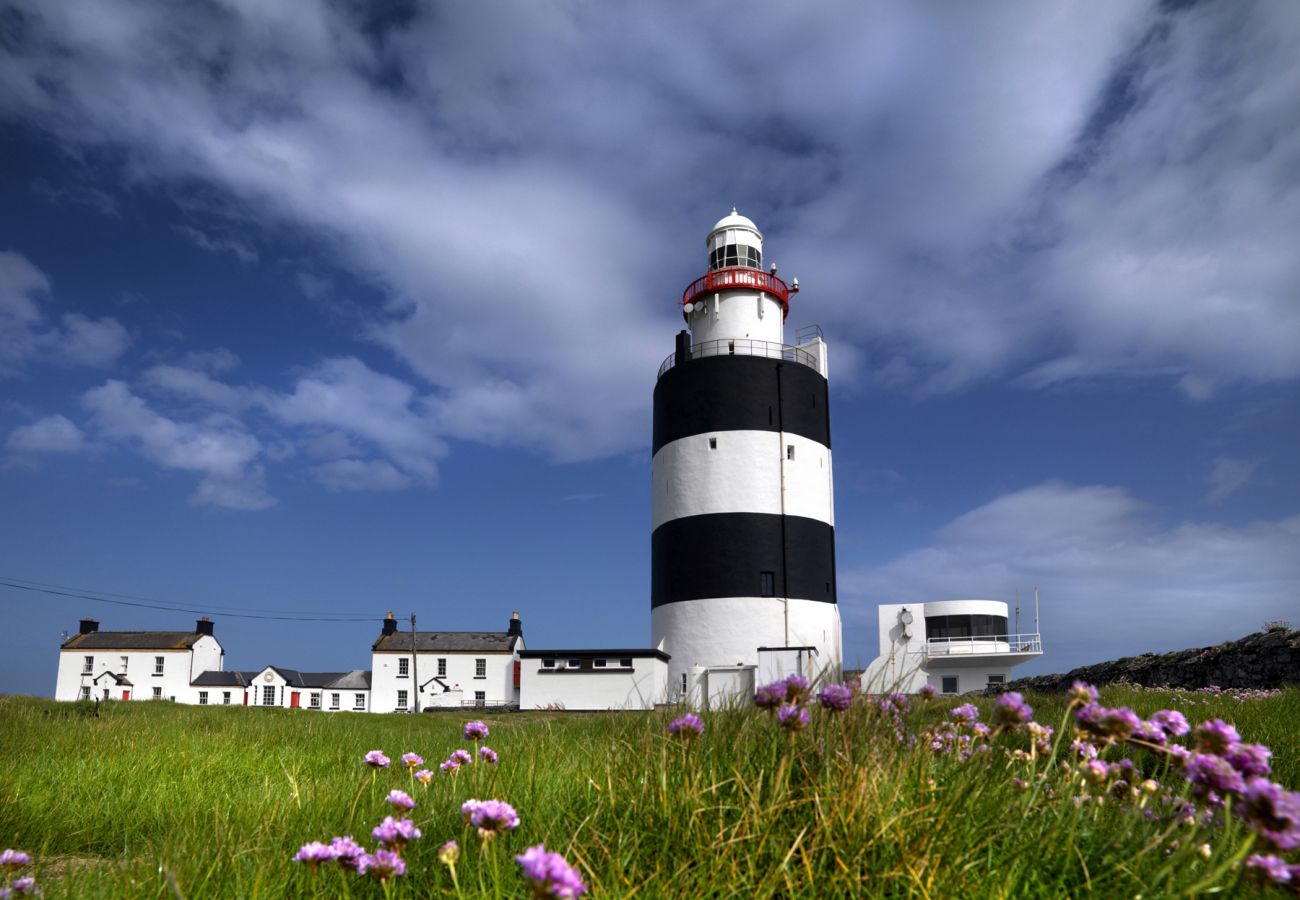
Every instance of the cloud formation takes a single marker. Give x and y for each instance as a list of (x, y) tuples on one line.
[(1052, 193), (52, 434), (1114, 578)]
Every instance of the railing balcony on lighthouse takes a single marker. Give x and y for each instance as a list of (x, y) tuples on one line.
[(743, 347), (985, 645)]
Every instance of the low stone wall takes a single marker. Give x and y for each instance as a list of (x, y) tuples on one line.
[(1266, 659)]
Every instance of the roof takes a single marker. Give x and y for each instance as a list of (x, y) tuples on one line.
[(446, 642), (118, 679), (223, 679), (356, 680), (735, 220), (638, 653), (134, 640)]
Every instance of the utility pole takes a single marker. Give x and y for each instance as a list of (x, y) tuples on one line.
[(415, 669)]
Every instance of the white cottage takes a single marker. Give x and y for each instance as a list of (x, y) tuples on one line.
[(413, 671), (135, 665), (594, 679), (277, 686)]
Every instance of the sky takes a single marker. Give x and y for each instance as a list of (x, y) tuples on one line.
[(315, 313)]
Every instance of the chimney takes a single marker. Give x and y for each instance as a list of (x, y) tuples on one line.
[(516, 627), (88, 626), (390, 624), (203, 626)]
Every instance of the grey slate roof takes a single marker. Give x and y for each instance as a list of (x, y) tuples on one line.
[(446, 642), (356, 680), (117, 679), (133, 640), (223, 679), (636, 653)]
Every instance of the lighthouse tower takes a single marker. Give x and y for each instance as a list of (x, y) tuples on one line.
[(743, 526)]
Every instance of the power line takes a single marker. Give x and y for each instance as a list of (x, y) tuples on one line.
[(140, 602)]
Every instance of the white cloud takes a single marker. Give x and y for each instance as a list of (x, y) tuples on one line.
[(52, 434), (1228, 476), (217, 448), (1115, 580), (26, 337), (361, 475)]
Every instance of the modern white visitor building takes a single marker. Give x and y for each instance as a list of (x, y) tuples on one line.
[(742, 510), (955, 646)]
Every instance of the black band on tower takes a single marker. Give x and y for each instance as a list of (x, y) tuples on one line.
[(727, 554), (739, 393)]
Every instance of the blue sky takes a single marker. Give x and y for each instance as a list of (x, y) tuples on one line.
[(330, 315)]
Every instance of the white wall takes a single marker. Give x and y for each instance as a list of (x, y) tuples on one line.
[(742, 474), (497, 686), (179, 666), (726, 631), (640, 687), (737, 315)]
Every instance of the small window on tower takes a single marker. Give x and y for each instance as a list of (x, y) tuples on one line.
[(713, 443), (767, 584), (789, 451)]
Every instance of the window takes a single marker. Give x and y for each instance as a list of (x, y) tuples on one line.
[(315, 700), (575, 664), (683, 682), (713, 443), (105, 693), (442, 667), (225, 698), (157, 665), (157, 693), (403, 667), (401, 700), (480, 668), (268, 695), (598, 663), (997, 679), (480, 698), (359, 702), (767, 584), (124, 661), (548, 664), (203, 698), (789, 451), (625, 663), (88, 665), (334, 701), (85, 692), (950, 684), (965, 626)]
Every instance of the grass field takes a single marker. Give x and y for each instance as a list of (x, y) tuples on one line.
[(157, 800)]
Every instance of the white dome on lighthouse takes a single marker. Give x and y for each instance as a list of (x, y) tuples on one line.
[(735, 241), (736, 220)]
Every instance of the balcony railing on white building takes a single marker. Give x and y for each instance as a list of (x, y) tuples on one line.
[(984, 644)]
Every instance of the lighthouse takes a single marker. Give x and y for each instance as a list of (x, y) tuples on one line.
[(743, 524)]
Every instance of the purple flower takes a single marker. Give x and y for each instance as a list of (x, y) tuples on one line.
[(347, 851), (449, 853), (1273, 811), (966, 714), (476, 730), (424, 776), (13, 860), (1171, 722), (686, 727), (770, 696), (467, 810), (382, 864), (395, 832), (1010, 709), (1270, 867), (491, 817), (927, 692), (895, 703), (1083, 693), (313, 854), (1095, 772), (1212, 774), (792, 718), (1150, 733), (24, 887), (401, 801), (1215, 736), (488, 755), (412, 760), (835, 697), (1112, 723), (549, 874), (457, 759), (377, 759), (1249, 759), (796, 688)]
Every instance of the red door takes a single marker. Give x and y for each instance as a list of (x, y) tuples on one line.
[(126, 695), (293, 700), (245, 698)]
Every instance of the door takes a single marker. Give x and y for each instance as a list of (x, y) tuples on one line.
[(293, 699), (126, 695)]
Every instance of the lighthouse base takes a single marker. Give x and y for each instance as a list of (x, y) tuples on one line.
[(727, 632)]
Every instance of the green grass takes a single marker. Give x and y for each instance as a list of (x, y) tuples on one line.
[(157, 800)]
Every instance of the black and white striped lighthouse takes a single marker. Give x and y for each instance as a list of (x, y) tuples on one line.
[(743, 539)]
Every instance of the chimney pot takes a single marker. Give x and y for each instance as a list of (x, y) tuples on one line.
[(203, 626), (89, 626), (390, 625)]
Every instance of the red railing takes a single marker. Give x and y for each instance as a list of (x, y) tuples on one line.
[(740, 278)]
